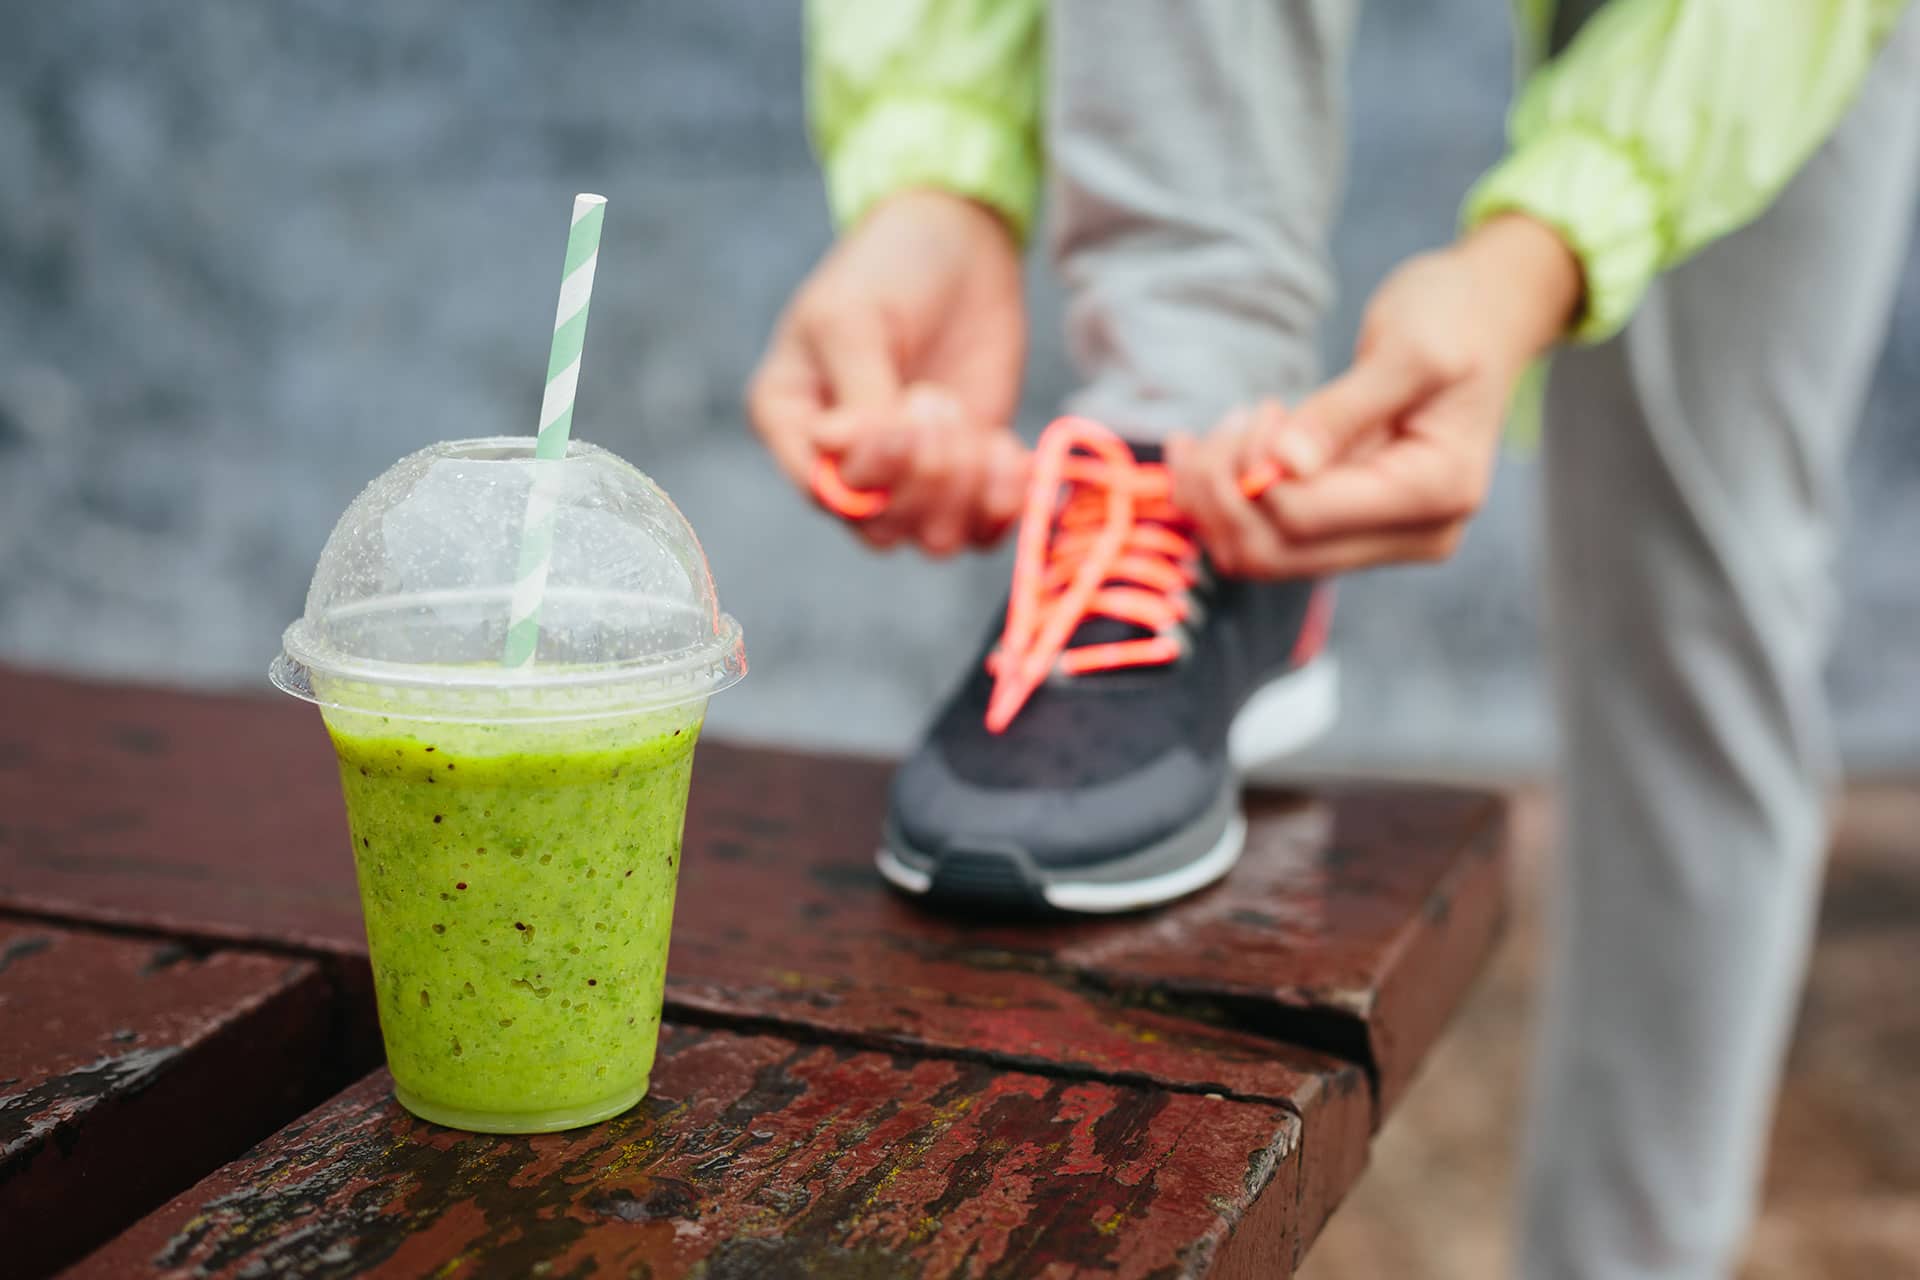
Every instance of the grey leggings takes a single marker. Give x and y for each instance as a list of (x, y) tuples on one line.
[(1693, 476)]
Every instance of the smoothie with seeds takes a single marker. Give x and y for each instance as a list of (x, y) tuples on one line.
[(512, 647), (518, 883)]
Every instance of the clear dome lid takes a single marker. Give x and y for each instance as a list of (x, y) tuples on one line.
[(411, 602)]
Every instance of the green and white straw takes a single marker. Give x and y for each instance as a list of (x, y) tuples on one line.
[(556, 424)]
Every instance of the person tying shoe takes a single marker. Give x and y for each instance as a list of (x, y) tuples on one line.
[(1704, 208)]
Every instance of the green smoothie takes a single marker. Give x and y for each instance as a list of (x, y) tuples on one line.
[(518, 883)]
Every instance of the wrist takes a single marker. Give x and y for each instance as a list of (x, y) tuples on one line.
[(1533, 279), (941, 205)]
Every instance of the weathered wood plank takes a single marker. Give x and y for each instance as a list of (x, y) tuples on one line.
[(200, 816), (777, 923), (758, 1157), (1354, 923), (1367, 912), (129, 1069)]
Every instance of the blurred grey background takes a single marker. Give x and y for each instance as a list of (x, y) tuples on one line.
[(252, 253)]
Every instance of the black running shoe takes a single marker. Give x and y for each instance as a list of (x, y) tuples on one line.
[(1101, 774)]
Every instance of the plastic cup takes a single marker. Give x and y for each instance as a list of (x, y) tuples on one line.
[(516, 832)]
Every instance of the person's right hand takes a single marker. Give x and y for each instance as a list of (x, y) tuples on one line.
[(900, 356)]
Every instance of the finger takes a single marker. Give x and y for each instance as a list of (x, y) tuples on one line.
[(835, 430), (1207, 482), (931, 404), (837, 496), (870, 451), (1380, 388), (1003, 491), (1425, 544), (879, 457), (1238, 527), (888, 453), (1191, 463), (1257, 545), (1188, 491), (877, 462), (953, 459), (949, 502), (909, 440), (1261, 467), (853, 353), (1436, 470), (922, 467), (1257, 464), (784, 405), (1209, 463)]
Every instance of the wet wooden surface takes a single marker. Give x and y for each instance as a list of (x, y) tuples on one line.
[(1354, 922), (757, 1157), (128, 1069), (199, 816), (1313, 981)]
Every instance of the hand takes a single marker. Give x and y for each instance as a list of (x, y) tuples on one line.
[(1389, 461), (901, 356)]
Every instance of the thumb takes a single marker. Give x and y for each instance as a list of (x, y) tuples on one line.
[(1377, 390)]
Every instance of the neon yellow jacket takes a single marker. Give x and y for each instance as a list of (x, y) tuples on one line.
[(1666, 123)]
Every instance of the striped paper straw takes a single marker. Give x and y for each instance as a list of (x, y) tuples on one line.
[(556, 424)]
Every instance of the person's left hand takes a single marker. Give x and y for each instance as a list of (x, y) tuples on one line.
[(1389, 461)]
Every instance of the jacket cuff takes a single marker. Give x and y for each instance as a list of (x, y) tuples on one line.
[(1600, 200), (965, 148)]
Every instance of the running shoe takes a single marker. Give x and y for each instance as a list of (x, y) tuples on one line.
[(1091, 761)]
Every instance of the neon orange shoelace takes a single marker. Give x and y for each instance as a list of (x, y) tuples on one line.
[(1100, 538)]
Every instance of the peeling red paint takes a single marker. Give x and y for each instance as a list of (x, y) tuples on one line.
[(747, 1161)]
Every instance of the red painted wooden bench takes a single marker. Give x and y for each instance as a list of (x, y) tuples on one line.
[(847, 1086)]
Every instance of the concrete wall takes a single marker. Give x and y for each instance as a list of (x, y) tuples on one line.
[(251, 253)]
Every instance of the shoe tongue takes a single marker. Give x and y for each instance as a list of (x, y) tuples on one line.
[(1106, 631)]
